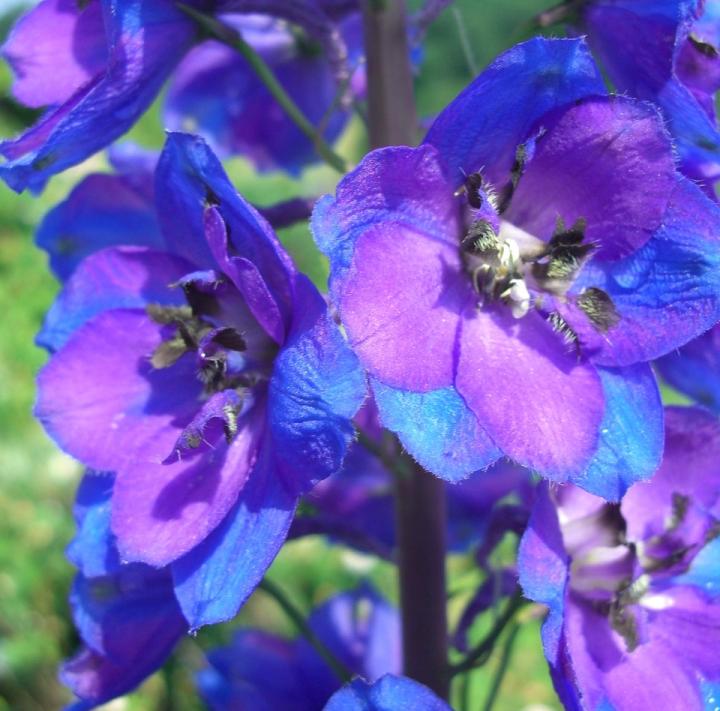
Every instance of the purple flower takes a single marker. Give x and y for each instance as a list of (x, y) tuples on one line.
[(666, 52), (209, 377), (217, 94), (98, 65), (262, 671), (505, 283), (126, 614), (694, 369), (632, 589)]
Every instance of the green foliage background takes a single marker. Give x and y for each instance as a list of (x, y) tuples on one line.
[(37, 482)]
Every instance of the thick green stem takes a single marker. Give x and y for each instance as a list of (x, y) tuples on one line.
[(232, 38), (298, 619)]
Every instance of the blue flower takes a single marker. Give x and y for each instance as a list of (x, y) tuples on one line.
[(209, 377)]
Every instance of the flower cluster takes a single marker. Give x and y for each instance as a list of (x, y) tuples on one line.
[(501, 297)]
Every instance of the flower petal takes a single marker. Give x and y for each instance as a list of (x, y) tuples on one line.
[(162, 510), (316, 388), (669, 290), (145, 41), (438, 429), (54, 49), (537, 402), (631, 433), (482, 128), (214, 579), (389, 692), (113, 278), (101, 400), (606, 160), (101, 211)]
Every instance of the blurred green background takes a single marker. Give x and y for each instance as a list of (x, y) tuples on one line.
[(37, 482)]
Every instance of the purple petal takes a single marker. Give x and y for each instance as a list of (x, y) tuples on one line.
[(162, 510), (689, 468), (668, 291), (608, 161), (215, 578), (145, 42), (101, 400), (190, 178), (544, 567), (536, 401), (484, 125), (54, 50), (114, 278)]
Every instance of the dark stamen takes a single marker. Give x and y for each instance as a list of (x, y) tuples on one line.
[(599, 308)]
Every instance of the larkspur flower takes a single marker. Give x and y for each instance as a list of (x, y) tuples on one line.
[(506, 283), (666, 52), (98, 65), (262, 671), (694, 369), (209, 377), (126, 615), (215, 92), (632, 589)]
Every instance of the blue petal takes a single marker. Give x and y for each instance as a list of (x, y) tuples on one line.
[(316, 388), (669, 290), (390, 693), (93, 550), (190, 178), (214, 579), (631, 432), (101, 211), (114, 278), (146, 40), (484, 125), (437, 429), (543, 568)]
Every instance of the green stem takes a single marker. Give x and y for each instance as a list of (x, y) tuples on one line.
[(298, 619), (502, 666), (482, 651), (233, 39)]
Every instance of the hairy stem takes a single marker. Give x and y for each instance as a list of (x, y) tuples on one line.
[(298, 619), (232, 38)]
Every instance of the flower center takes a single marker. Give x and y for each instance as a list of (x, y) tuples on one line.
[(512, 267)]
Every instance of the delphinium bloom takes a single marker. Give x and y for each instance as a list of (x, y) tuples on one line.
[(98, 65), (694, 369), (634, 620), (506, 283), (666, 52), (260, 670), (215, 92), (126, 614), (209, 377)]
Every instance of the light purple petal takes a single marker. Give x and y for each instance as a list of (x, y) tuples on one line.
[(161, 510), (536, 401), (101, 400), (54, 50)]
